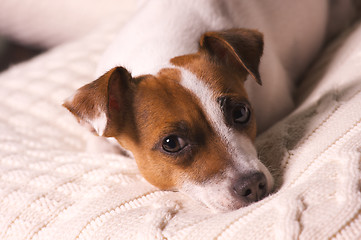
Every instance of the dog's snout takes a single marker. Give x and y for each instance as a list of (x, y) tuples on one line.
[(251, 187)]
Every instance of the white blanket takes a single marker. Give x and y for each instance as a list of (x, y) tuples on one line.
[(50, 188)]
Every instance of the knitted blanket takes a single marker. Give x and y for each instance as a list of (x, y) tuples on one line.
[(51, 188)]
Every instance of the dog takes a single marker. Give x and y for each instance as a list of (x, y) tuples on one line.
[(180, 89)]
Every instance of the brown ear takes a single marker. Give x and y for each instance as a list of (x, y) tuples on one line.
[(237, 48), (102, 104)]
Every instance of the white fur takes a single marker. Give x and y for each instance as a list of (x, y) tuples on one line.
[(216, 191), (293, 32), (99, 123)]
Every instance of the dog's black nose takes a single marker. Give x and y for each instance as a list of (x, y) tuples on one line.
[(251, 187)]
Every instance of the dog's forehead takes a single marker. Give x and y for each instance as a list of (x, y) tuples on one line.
[(164, 92), (187, 90), (162, 102), (215, 76)]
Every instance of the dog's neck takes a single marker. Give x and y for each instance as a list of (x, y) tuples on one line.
[(145, 47)]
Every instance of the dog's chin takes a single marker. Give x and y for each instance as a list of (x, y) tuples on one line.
[(224, 205), (217, 197)]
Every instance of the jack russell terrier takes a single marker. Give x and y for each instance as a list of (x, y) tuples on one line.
[(176, 94)]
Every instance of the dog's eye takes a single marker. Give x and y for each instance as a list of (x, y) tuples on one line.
[(173, 144), (241, 114)]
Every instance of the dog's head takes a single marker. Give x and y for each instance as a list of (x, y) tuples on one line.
[(190, 127)]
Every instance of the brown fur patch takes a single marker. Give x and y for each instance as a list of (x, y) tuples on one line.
[(222, 81), (239, 49), (85, 108), (111, 94), (162, 108)]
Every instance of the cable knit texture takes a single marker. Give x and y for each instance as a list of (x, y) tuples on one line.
[(51, 188)]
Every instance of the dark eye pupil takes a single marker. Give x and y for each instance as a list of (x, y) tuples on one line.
[(241, 115), (173, 144)]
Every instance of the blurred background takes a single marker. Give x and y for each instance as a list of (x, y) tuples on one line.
[(12, 53), (30, 27)]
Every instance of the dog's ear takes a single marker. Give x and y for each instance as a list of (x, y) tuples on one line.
[(104, 104), (237, 48)]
